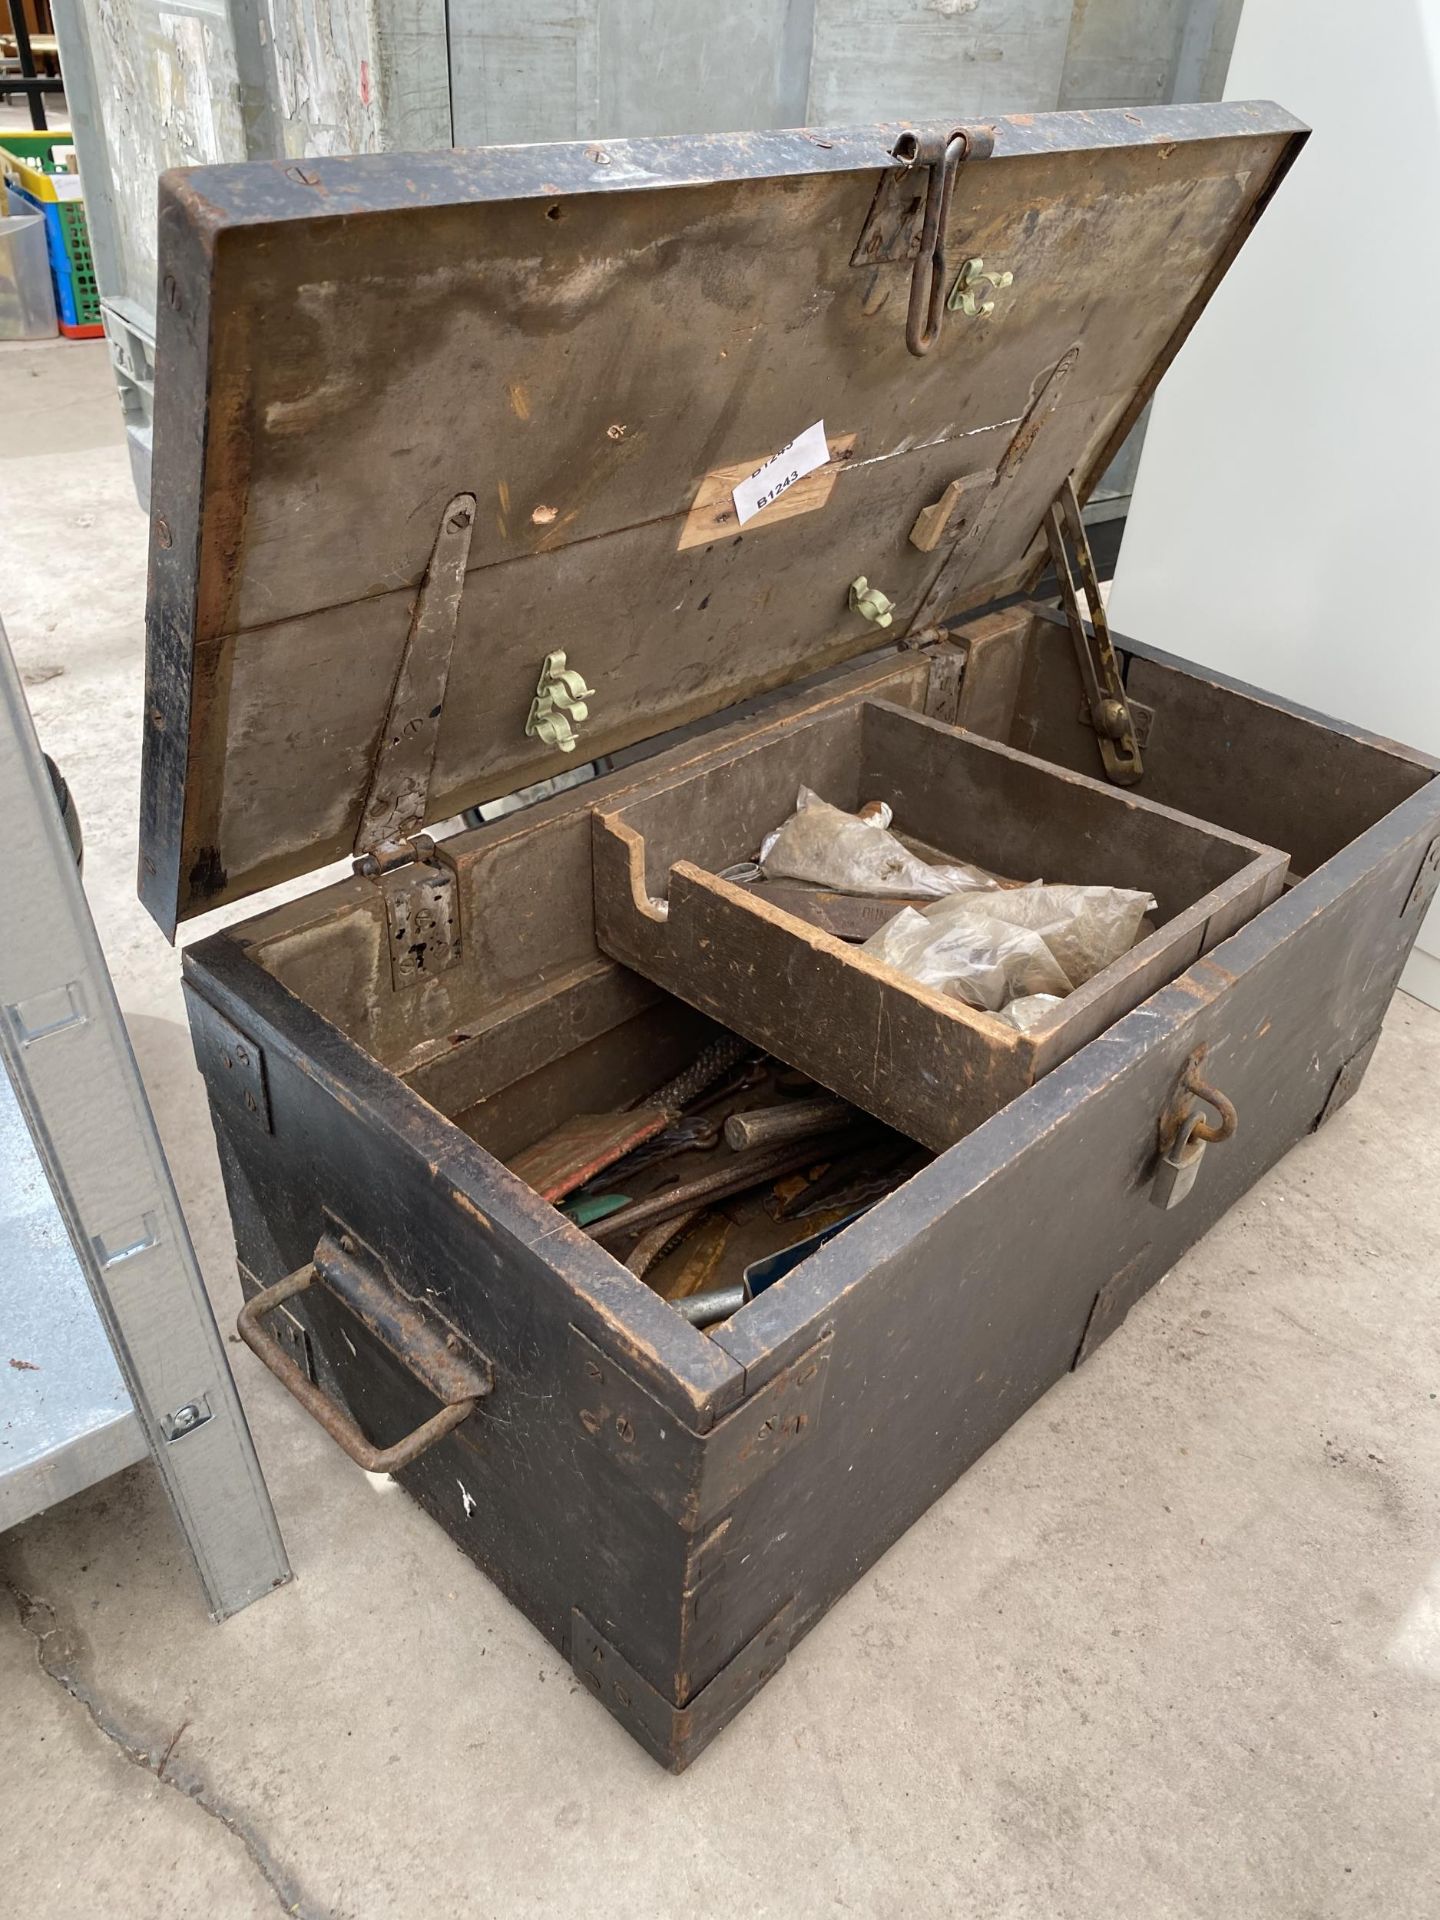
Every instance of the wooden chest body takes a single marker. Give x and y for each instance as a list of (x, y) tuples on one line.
[(672, 1508)]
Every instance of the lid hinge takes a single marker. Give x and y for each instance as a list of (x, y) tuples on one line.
[(1106, 706), (397, 799), (422, 907), (422, 914)]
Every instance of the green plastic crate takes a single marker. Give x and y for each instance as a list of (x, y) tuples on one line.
[(82, 268)]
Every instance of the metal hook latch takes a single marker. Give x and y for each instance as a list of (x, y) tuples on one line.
[(926, 313), (1185, 1133)]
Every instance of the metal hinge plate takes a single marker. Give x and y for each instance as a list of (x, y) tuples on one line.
[(1347, 1081), (398, 796), (1112, 1303), (909, 216), (1142, 717), (237, 1079), (287, 1328), (422, 909), (1426, 881), (694, 1476)]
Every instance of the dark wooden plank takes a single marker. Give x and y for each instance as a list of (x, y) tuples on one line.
[(917, 1059), (953, 1305), (610, 1070), (1248, 761), (1310, 784), (990, 684), (1016, 815), (529, 1030), (303, 699), (525, 897), (182, 423), (598, 353), (438, 1209), (922, 1063)]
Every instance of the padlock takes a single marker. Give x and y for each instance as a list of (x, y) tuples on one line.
[(1176, 1170)]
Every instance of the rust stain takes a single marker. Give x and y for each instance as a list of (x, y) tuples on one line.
[(519, 399)]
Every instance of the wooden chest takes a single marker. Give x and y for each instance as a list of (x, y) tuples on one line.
[(445, 504)]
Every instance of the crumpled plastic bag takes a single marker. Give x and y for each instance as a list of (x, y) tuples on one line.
[(971, 956), (827, 847), (1016, 943), (1084, 927), (1030, 1009)]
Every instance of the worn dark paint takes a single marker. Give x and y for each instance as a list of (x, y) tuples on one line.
[(674, 1511), (934, 1321), (739, 957), (955, 1304), (443, 334)]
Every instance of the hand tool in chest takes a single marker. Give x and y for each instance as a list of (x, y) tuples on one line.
[(722, 467)]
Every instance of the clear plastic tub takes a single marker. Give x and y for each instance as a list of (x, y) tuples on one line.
[(27, 293)]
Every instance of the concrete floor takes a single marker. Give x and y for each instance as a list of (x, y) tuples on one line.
[(1171, 1649)]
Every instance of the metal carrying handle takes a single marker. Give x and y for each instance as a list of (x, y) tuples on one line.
[(926, 313), (332, 1417)]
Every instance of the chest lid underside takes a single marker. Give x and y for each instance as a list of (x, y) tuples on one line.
[(424, 421)]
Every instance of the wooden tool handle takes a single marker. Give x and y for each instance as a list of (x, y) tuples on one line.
[(795, 1120)]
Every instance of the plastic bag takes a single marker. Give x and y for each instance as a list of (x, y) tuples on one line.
[(970, 955), (1084, 927), (827, 847), (1029, 1010), (1016, 943)]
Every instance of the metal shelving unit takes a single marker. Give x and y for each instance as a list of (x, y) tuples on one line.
[(145, 1368)]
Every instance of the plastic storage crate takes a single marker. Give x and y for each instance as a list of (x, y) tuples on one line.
[(27, 286), (26, 160)]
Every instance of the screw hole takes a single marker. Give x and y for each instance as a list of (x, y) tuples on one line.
[(555, 213)]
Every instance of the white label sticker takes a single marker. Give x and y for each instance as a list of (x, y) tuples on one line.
[(805, 453)]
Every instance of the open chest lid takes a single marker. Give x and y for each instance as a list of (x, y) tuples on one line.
[(425, 421)]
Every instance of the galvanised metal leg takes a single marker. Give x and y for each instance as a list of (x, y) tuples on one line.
[(68, 1055)]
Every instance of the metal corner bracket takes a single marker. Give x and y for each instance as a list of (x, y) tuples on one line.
[(674, 1734), (695, 1476)]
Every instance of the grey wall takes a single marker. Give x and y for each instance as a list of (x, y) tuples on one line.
[(173, 83), (576, 69)]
